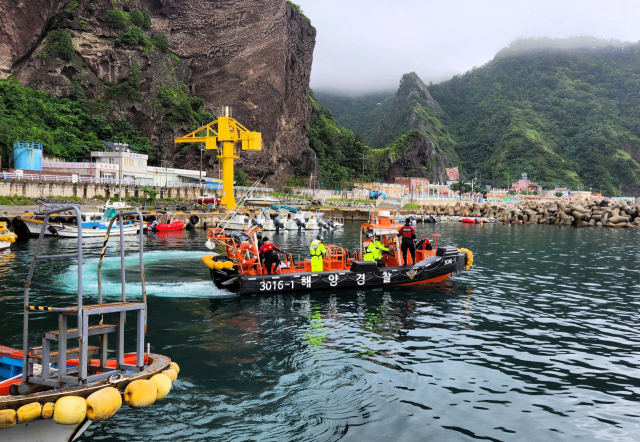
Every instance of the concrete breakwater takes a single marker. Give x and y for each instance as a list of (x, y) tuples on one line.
[(595, 212)]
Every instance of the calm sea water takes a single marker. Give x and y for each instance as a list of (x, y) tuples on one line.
[(539, 341)]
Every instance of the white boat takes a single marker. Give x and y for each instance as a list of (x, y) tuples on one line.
[(6, 237), (237, 222), (268, 224), (313, 220), (261, 201), (296, 222), (98, 222)]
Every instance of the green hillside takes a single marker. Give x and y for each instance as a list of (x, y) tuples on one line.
[(566, 112), (360, 114)]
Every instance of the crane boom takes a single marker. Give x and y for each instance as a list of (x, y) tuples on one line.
[(224, 133)]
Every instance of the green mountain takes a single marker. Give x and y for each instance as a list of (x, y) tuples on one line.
[(566, 112), (360, 114)]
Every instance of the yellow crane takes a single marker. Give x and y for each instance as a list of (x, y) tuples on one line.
[(225, 133)]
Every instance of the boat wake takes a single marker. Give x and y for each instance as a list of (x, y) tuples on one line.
[(170, 274)]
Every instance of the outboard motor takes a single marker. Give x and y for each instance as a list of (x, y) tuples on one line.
[(300, 224), (279, 224), (255, 222), (322, 225), (330, 223)]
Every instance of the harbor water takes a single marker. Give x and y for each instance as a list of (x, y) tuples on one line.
[(538, 341)]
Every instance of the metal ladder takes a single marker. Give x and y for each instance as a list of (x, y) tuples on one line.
[(85, 372)]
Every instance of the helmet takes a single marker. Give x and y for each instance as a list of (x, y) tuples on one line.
[(369, 235), (319, 238)]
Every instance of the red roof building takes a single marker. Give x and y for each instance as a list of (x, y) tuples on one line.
[(415, 184)]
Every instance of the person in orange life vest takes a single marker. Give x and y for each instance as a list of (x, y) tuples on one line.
[(270, 254), (408, 235)]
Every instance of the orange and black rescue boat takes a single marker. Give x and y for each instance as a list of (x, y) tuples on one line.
[(240, 270)]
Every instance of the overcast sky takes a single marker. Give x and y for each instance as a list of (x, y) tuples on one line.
[(366, 45)]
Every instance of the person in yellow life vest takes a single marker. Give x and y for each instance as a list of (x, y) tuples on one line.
[(373, 249), (317, 250)]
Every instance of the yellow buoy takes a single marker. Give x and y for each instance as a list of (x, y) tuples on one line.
[(47, 410), (208, 261), (163, 384), (173, 375), (29, 412), (175, 367), (140, 393), (228, 265), (7, 418), (218, 265), (70, 410), (103, 404)]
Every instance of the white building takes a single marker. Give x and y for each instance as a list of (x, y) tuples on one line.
[(167, 176), (133, 165)]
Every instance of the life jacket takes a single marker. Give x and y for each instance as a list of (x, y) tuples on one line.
[(316, 249), (408, 234)]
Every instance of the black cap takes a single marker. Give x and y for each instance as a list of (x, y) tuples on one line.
[(266, 238)]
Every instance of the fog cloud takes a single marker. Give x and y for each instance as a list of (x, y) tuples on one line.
[(366, 45)]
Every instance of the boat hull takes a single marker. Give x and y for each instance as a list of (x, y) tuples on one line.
[(4, 245), (44, 430), (35, 226), (72, 232), (432, 269)]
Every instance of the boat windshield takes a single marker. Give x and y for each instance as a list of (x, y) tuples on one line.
[(110, 213)]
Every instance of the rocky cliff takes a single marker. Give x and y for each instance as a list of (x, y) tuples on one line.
[(252, 55), (419, 144)]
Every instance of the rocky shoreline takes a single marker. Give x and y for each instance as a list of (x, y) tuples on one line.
[(595, 212)]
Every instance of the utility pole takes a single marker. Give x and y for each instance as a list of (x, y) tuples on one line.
[(363, 168), (200, 180)]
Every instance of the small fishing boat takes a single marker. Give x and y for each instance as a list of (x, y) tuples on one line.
[(56, 395), (240, 271), (97, 229), (6, 238)]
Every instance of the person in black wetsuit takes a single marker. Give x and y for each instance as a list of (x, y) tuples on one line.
[(408, 235), (270, 253)]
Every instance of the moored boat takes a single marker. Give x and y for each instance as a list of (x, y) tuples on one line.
[(55, 395), (6, 238), (240, 270)]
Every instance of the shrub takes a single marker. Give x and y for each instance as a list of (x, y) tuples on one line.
[(146, 21), (162, 42), (133, 36), (62, 44), (137, 18), (239, 177), (115, 19)]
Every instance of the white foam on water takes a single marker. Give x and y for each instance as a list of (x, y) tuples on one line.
[(164, 271)]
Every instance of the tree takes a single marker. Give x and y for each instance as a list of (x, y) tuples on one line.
[(146, 22), (151, 193), (61, 43), (460, 186), (133, 36), (162, 42), (115, 19), (137, 18), (239, 178), (559, 194)]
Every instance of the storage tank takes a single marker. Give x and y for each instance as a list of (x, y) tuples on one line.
[(27, 155)]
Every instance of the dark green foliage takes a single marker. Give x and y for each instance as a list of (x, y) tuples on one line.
[(461, 187), (179, 108), (563, 116), (239, 177), (558, 194), (115, 19), (297, 8), (133, 36), (72, 6), (60, 42), (137, 18), (146, 21), (130, 88), (162, 42), (63, 126), (358, 113), (339, 150)]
